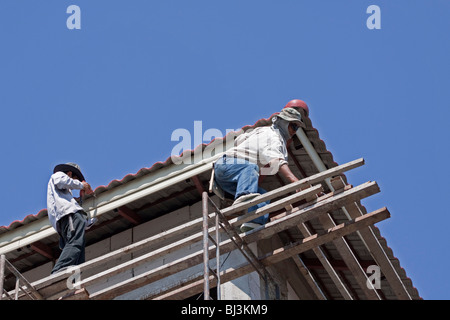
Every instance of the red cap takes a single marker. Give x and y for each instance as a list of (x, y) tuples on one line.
[(298, 104)]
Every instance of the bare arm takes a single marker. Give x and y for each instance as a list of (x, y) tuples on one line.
[(287, 173)]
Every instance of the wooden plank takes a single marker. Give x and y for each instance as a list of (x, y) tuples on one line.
[(308, 211), (275, 206), (327, 265), (309, 278), (297, 216), (190, 287), (129, 215), (338, 265), (320, 254), (80, 294), (303, 183), (328, 235), (376, 250), (385, 264), (43, 249), (350, 260), (186, 290)]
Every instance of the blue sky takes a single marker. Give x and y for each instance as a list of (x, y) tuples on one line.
[(109, 96)]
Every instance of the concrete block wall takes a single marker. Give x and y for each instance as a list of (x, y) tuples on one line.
[(247, 287)]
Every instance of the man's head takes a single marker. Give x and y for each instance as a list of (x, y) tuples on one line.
[(71, 169), (292, 116), (288, 121), (71, 175)]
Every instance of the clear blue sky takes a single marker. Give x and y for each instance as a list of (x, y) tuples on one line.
[(109, 96)]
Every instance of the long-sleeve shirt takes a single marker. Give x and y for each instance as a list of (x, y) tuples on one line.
[(262, 146), (60, 201)]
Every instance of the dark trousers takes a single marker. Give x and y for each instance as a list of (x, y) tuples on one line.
[(72, 240)]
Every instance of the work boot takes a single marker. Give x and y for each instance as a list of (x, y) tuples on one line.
[(245, 198), (247, 226), (241, 199)]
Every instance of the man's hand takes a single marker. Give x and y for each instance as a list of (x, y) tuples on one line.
[(287, 173), (87, 188)]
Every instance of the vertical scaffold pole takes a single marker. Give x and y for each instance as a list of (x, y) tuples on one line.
[(218, 255), (2, 273), (205, 246)]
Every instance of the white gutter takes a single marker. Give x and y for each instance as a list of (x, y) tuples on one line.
[(312, 154)]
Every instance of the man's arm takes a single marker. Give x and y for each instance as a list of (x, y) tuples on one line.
[(287, 173), (63, 181)]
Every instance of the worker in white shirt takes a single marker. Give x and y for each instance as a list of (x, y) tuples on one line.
[(260, 151), (65, 214)]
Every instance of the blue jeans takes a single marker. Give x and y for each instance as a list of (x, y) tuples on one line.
[(239, 177)]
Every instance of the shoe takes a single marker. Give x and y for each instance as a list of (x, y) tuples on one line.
[(245, 197), (247, 226), (90, 223), (241, 199), (62, 270)]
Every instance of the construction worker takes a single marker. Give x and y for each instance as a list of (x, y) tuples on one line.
[(66, 215), (260, 151)]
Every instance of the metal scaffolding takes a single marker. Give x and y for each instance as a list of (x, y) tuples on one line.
[(22, 284), (222, 222)]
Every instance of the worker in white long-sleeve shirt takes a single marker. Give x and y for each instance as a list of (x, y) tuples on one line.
[(66, 215)]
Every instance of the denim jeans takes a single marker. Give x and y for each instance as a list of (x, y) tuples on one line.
[(71, 242), (239, 177)]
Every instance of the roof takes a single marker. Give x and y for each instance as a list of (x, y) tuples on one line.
[(168, 196)]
